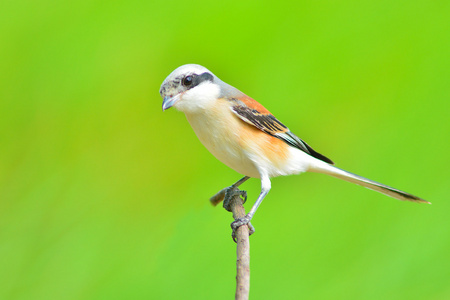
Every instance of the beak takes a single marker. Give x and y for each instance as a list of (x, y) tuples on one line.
[(170, 101)]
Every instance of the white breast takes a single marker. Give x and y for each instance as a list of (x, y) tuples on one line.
[(218, 130)]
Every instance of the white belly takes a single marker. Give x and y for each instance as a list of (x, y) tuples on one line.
[(221, 139), (219, 130)]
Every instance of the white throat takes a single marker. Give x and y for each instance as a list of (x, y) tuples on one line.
[(198, 98)]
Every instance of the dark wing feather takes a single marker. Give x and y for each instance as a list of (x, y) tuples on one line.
[(269, 124)]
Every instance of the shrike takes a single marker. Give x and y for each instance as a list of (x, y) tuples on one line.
[(246, 137)]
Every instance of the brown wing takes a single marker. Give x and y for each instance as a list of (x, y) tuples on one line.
[(262, 119)]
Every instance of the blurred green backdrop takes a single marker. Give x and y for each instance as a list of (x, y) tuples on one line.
[(103, 196)]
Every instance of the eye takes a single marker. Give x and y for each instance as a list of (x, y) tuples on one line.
[(187, 81)]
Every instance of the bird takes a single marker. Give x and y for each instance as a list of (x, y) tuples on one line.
[(245, 136)]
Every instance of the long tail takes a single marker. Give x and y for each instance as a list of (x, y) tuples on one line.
[(325, 168)]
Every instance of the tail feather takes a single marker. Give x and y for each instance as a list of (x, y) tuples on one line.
[(370, 184)]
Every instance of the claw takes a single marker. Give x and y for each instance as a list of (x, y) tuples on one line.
[(251, 229), (230, 192), (244, 196), (240, 222)]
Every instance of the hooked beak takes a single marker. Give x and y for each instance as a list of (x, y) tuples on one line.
[(170, 101)]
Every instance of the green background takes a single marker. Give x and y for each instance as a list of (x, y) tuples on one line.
[(104, 196)]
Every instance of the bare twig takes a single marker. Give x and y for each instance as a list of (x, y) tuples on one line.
[(217, 198), (243, 251), (235, 205)]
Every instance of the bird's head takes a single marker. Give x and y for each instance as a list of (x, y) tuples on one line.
[(190, 88)]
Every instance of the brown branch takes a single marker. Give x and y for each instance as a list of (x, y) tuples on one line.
[(243, 251), (217, 198), (236, 206)]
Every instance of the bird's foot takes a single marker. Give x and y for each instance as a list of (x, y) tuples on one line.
[(230, 192), (240, 222)]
